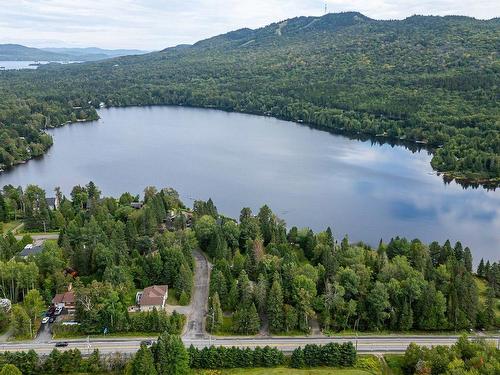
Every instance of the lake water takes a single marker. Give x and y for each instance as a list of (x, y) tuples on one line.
[(17, 65), (308, 177)]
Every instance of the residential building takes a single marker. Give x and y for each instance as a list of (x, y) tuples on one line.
[(152, 297)]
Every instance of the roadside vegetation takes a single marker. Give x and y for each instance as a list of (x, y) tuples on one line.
[(265, 278), (466, 357), (425, 81)]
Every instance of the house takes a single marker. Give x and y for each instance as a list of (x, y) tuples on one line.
[(152, 297), (52, 203), (32, 249), (136, 205), (65, 300)]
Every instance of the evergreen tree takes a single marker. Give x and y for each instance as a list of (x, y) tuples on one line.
[(468, 259), (297, 358), (143, 363), (275, 307), (3, 209), (261, 294), (246, 320), (480, 268), (214, 317), (171, 357)]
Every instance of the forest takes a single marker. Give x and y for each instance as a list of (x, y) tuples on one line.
[(264, 276), (428, 81)]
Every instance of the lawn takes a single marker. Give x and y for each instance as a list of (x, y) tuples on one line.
[(6, 227), (482, 287), (284, 371)]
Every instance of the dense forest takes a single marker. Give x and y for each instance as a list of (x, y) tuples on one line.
[(432, 81), (264, 276)]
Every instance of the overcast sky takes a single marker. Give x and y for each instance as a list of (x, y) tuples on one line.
[(156, 24)]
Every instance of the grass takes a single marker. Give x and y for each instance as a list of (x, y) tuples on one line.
[(227, 327), (171, 298), (78, 335), (394, 333), (37, 233), (9, 226), (285, 371)]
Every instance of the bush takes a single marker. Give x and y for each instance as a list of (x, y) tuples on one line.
[(369, 363), (332, 355), (222, 357)]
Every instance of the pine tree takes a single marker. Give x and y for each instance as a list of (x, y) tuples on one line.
[(246, 320), (480, 268), (261, 294), (143, 363), (214, 318), (3, 209), (490, 308), (297, 358), (171, 357), (468, 259), (275, 307)]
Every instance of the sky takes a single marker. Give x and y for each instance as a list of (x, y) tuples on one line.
[(156, 24)]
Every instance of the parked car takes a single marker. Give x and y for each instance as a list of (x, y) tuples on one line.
[(61, 344), (58, 311), (52, 319), (148, 343), (45, 320)]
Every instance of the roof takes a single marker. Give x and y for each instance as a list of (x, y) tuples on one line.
[(153, 295), (66, 298), (31, 249), (50, 202)]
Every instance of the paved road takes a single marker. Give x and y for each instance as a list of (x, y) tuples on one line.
[(40, 237), (195, 325), (367, 344)]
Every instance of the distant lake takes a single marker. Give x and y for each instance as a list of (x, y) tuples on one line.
[(308, 177), (16, 65)]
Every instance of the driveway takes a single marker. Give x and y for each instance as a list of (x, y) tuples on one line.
[(197, 310)]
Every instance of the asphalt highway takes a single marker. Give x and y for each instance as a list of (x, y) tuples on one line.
[(365, 344)]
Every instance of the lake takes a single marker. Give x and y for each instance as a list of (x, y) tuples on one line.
[(17, 65), (308, 177)]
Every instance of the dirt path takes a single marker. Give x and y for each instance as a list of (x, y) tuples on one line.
[(197, 310)]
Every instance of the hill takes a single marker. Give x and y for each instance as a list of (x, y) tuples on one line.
[(431, 81), (93, 53), (17, 52)]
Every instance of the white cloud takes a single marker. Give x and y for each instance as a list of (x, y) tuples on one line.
[(155, 24)]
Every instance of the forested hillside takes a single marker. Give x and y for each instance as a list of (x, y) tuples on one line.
[(429, 80)]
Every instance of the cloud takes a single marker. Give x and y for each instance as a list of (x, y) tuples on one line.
[(156, 24)]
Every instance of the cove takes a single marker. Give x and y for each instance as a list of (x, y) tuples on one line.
[(308, 177)]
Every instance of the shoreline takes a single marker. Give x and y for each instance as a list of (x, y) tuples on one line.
[(381, 139)]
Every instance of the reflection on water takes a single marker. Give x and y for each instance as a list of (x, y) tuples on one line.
[(308, 177)]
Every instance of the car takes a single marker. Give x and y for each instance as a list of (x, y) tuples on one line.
[(61, 344), (45, 320), (148, 343), (58, 311), (52, 319)]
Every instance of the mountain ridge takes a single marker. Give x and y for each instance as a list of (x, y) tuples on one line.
[(427, 80)]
